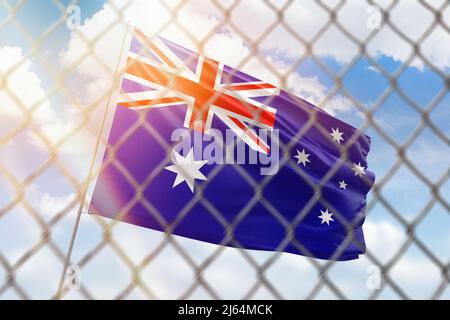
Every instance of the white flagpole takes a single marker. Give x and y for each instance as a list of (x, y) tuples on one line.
[(114, 85)]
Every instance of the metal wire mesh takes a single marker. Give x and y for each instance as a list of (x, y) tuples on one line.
[(106, 238)]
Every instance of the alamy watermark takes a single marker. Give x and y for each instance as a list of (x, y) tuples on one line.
[(229, 148), (373, 277), (374, 17), (73, 277), (73, 14)]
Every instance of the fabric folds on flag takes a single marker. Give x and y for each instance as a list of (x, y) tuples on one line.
[(294, 179)]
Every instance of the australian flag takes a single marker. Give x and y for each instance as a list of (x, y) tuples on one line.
[(201, 150)]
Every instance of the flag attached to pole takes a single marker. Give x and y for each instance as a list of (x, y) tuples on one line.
[(204, 151)]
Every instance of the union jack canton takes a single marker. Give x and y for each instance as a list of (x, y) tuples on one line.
[(169, 75)]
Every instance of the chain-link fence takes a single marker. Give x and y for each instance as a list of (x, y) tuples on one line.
[(47, 233)]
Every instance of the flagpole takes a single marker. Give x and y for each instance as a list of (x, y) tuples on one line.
[(91, 167)]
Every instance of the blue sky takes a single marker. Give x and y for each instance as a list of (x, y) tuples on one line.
[(405, 192)]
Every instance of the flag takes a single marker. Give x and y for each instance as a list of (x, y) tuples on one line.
[(207, 152)]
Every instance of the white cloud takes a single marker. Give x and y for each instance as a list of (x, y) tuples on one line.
[(26, 151), (201, 20), (373, 69), (41, 274), (21, 91), (46, 204), (307, 17), (383, 238)]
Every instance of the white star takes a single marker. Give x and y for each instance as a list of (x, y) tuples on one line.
[(343, 185), (187, 169), (337, 135), (359, 169), (326, 217), (302, 157)]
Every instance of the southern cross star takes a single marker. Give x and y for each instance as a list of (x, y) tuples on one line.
[(337, 135), (359, 169), (187, 169), (343, 185), (326, 217), (302, 157)]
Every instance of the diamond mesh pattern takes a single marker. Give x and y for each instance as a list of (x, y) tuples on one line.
[(104, 244)]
